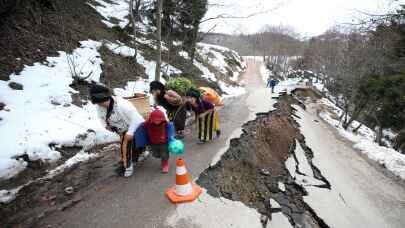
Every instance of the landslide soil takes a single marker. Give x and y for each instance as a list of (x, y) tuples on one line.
[(254, 166)]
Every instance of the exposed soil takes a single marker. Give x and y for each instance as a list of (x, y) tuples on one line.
[(251, 170), (37, 29), (44, 196)]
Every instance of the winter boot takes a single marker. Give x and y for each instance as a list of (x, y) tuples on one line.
[(165, 166)]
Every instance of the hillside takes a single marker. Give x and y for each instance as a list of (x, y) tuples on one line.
[(51, 52)]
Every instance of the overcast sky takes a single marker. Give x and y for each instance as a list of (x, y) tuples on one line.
[(308, 17)]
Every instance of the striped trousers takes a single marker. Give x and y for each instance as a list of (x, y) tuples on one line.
[(207, 125), (128, 152)]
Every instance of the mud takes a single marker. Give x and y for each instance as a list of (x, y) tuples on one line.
[(45, 196), (253, 170)]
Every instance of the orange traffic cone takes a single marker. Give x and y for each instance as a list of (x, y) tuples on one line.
[(184, 191)]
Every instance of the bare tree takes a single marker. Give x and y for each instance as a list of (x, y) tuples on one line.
[(134, 14), (159, 40)]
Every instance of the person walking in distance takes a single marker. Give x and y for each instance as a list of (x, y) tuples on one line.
[(120, 116), (271, 83)]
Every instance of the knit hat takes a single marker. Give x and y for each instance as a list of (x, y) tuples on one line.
[(99, 94)]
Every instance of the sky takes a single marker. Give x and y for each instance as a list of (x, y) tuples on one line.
[(308, 17)]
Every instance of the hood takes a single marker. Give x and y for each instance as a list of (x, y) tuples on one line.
[(157, 117)]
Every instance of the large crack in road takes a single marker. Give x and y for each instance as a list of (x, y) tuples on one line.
[(263, 169)]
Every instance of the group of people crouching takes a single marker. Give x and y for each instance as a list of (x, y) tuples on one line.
[(120, 116)]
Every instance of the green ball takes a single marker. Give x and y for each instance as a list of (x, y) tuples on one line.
[(176, 147)]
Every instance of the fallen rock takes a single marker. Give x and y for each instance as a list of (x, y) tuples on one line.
[(2, 105), (15, 86), (69, 190)]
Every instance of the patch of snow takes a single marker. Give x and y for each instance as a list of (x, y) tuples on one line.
[(184, 54), (214, 57), (364, 141), (120, 49), (10, 167), (6, 196), (150, 66), (235, 76), (132, 87), (231, 91), (42, 114), (274, 204), (151, 43), (217, 213), (116, 9), (79, 157), (205, 72), (281, 186)]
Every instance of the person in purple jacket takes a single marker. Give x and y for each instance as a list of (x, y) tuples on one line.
[(205, 114)]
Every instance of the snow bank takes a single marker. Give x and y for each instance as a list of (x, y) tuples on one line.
[(42, 114), (364, 141)]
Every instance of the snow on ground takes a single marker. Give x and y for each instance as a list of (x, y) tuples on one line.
[(151, 43), (6, 196), (139, 86), (281, 186), (364, 141), (205, 72), (116, 9), (217, 212), (46, 98), (231, 91), (184, 54), (81, 156), (215, 56), (42, 115)]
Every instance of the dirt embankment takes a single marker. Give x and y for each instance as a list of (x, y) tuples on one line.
[(253, 170)]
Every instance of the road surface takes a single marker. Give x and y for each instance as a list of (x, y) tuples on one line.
[(361, 196)]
